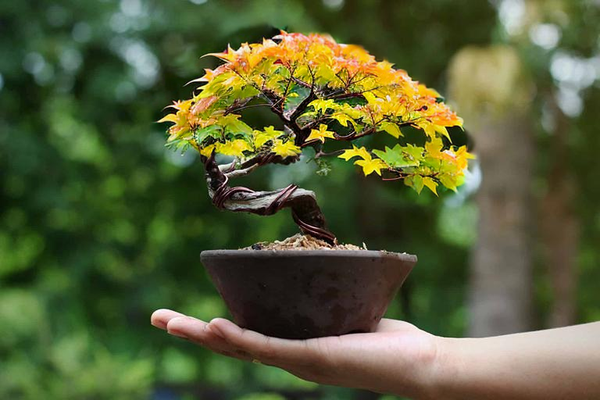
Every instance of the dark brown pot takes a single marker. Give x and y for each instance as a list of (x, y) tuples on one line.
[(299, 294)]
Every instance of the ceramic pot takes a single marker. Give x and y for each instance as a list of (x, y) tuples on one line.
[(300, 294)]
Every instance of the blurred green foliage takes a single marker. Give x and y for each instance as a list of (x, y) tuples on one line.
[(100, 224)]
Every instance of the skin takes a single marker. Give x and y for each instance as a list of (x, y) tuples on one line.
[(398, 358)]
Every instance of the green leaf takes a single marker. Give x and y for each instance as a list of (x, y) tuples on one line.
[(235, 126), (247, 91), (395, 157), (323, 167), (296, 95), (216, 86), (178, 145), (449, 181), (213, 131), (415, 152), (417, 183)]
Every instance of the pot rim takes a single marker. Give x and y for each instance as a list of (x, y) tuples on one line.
[(309, 253)]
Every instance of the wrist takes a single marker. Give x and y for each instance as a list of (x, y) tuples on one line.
[(443, 370)]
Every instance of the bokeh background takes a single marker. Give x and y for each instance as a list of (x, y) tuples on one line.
[(100, 224)]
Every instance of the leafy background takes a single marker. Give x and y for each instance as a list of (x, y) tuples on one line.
[(100, 224)]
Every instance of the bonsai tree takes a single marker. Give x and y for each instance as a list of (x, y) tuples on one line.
[(322, 92)]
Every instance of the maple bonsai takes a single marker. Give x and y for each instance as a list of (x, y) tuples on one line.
[(321, 91)]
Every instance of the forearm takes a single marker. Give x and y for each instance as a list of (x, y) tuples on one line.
[(559, 363), (398, 358)]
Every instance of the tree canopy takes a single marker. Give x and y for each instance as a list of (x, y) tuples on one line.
[(321, 91)]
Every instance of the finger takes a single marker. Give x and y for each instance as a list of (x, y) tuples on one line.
[(187, 327), (200, 333), (264, 348), (391, 325), (160, 318)]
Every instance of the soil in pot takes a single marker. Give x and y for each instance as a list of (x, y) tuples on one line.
[(302, 242), (303, 288)]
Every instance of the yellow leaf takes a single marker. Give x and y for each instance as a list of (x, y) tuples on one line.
[(320, 134), (228, 55), (168, 118), (428, 128), (234, 148), (181, 105), (262, 137), (443, 131), (207, 151), (287, 149), (355, 152), (392, 129), (431, 184), (462, 153), (321, 105), (324, 71), (254, 59), (372, 165), (434, 147), (449, 181), (342, 118), (352, 112), (371, 98)]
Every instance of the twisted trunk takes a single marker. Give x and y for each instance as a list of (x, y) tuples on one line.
[(303, 203)]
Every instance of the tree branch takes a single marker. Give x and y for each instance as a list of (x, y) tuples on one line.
[(241, 172), (275, 101), (303, 203)]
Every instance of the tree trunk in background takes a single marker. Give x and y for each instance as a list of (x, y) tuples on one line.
[(559, 226), (501, 265), (493, 94)]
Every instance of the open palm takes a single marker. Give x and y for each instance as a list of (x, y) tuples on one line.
[(360, 360)]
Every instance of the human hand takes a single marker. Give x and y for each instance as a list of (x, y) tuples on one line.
[(397, 358)]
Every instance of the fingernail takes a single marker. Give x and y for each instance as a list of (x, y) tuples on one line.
[(177, 333)]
